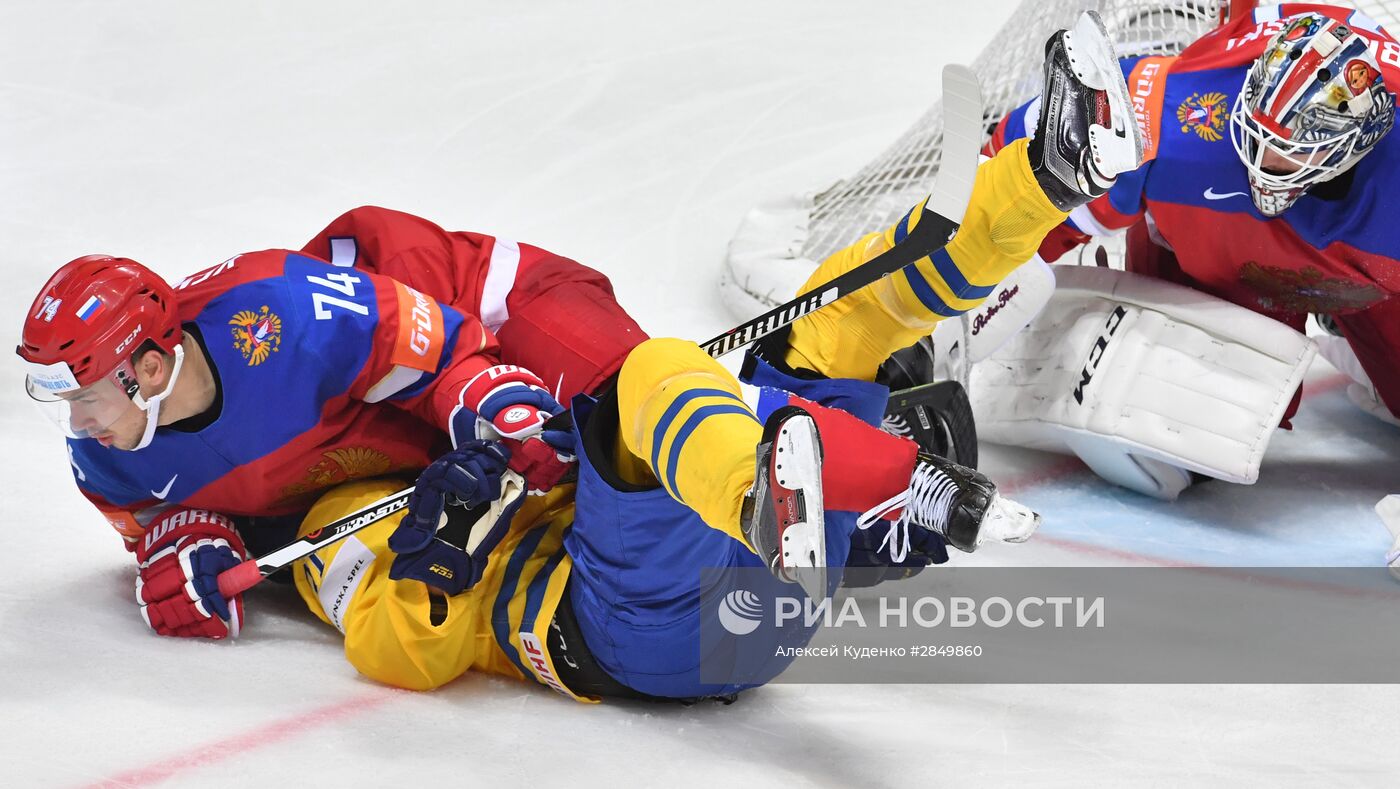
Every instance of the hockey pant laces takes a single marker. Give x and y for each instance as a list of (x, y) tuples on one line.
[(926, 502)]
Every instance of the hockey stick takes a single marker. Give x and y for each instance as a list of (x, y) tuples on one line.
[(952, 189), (943, 213), (250, 573)]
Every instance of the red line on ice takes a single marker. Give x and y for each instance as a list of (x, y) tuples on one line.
[(271, 733)]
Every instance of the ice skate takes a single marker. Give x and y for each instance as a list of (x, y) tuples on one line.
[(782, 516), (956, 502), (935, 414), (1086, 135)]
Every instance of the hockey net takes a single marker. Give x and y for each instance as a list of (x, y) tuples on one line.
[(778, 243)]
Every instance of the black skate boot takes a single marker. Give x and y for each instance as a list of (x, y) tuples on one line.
[(782, 515), (935, 414), (956, 502), (1086, 134)]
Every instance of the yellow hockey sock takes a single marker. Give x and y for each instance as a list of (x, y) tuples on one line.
[(681, 414), (1005, 222)]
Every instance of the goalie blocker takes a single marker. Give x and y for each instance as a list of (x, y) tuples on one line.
[(1143, 380)]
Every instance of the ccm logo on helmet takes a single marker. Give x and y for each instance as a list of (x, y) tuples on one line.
[(121, 346)]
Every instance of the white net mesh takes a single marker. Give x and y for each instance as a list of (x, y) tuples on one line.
[(760, 269)]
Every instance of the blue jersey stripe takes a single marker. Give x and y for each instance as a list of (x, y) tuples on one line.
[(500, 610), (534, 596), (901, 230)]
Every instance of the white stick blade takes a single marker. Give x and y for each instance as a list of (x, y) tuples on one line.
[(962, 142)]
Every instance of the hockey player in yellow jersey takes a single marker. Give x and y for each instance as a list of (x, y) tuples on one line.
[(593, 587)]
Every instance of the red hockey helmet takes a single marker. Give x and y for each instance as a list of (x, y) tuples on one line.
[(80, 334)]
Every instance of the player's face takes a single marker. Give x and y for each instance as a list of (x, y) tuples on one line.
[(107, 414), (124, 432), (1275, 163)]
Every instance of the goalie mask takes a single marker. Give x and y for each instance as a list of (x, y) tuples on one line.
[(1312, 105), (80, 336)]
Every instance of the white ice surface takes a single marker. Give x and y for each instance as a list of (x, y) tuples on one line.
[(631, 136)]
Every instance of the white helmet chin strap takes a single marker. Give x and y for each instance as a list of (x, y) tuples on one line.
[(151, 405)]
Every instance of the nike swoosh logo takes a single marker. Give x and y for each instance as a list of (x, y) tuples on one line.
[(165, 490), (1211, 194)]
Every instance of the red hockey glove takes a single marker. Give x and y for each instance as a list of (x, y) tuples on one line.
[(543, 460), (504, 401), (177, 582)]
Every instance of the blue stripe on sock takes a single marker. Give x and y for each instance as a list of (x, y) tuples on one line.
[(664, 423), (924, 292), (901, 230), (701, 414), (948, 270)]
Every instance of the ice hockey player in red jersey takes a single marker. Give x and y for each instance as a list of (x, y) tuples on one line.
[(248, 389), (1269, 182), (208, 418)]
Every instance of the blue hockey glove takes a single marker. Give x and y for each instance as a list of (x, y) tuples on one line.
[(469, 475)]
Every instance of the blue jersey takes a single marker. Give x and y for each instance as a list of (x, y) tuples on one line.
[(324, 374)]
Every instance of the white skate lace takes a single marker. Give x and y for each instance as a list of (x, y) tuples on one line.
[(926, 502), (896, 425)]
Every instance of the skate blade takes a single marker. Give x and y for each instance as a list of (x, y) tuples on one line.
[(1008, 521), (802, 544), (1090, 51)]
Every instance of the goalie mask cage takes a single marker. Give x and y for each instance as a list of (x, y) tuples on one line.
[(779, 243)]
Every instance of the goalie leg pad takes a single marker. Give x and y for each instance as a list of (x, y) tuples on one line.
[(1143, 379)]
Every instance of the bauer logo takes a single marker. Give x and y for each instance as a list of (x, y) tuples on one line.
[(740, 612)]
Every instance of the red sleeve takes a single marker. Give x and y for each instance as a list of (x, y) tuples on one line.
[(447, 266), (422, 352), (1374, 334), (144, 524), (123, 520)]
